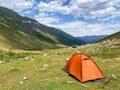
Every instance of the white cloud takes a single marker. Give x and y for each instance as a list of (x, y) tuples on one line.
[(92, 8), (53, 6), (85, 8), (17, 5), (46, 19), (78, 8), (78, 28), (103, 10)]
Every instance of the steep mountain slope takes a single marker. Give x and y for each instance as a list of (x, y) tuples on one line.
[(25, 33), (111, 38), (92, 39), (14, 38)]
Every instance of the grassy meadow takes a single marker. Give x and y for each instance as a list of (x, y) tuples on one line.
[(42, 70)]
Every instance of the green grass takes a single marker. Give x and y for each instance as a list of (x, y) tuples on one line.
[(43, 69)]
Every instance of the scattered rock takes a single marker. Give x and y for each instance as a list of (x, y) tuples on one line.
[(45, 54), (84, 85), (57, 78), (114, 76), (67, 58), (24, 78), (69, 81), (45, 65), (27, 58), (14, 69), (45, 79), (42, 69), (21, 82), (2, 62)]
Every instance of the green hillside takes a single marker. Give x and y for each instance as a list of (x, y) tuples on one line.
[(113, 37), (25, 33), (13, 38)]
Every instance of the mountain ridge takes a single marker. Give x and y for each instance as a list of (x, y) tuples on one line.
[(41, 36), (115, 36), (92, 38)]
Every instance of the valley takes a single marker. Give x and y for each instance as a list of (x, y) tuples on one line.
[(32, 56), (43, 69)]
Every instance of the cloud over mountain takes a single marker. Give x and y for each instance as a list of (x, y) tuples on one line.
[(64, 13)]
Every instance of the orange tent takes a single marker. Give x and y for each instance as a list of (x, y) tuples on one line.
[(83, 68)]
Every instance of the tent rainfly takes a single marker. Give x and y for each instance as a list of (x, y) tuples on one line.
[(83, 68)]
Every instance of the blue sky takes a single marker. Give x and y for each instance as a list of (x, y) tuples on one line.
[(76, 17)]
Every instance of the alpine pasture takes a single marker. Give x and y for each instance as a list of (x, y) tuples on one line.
[(42, 70)]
